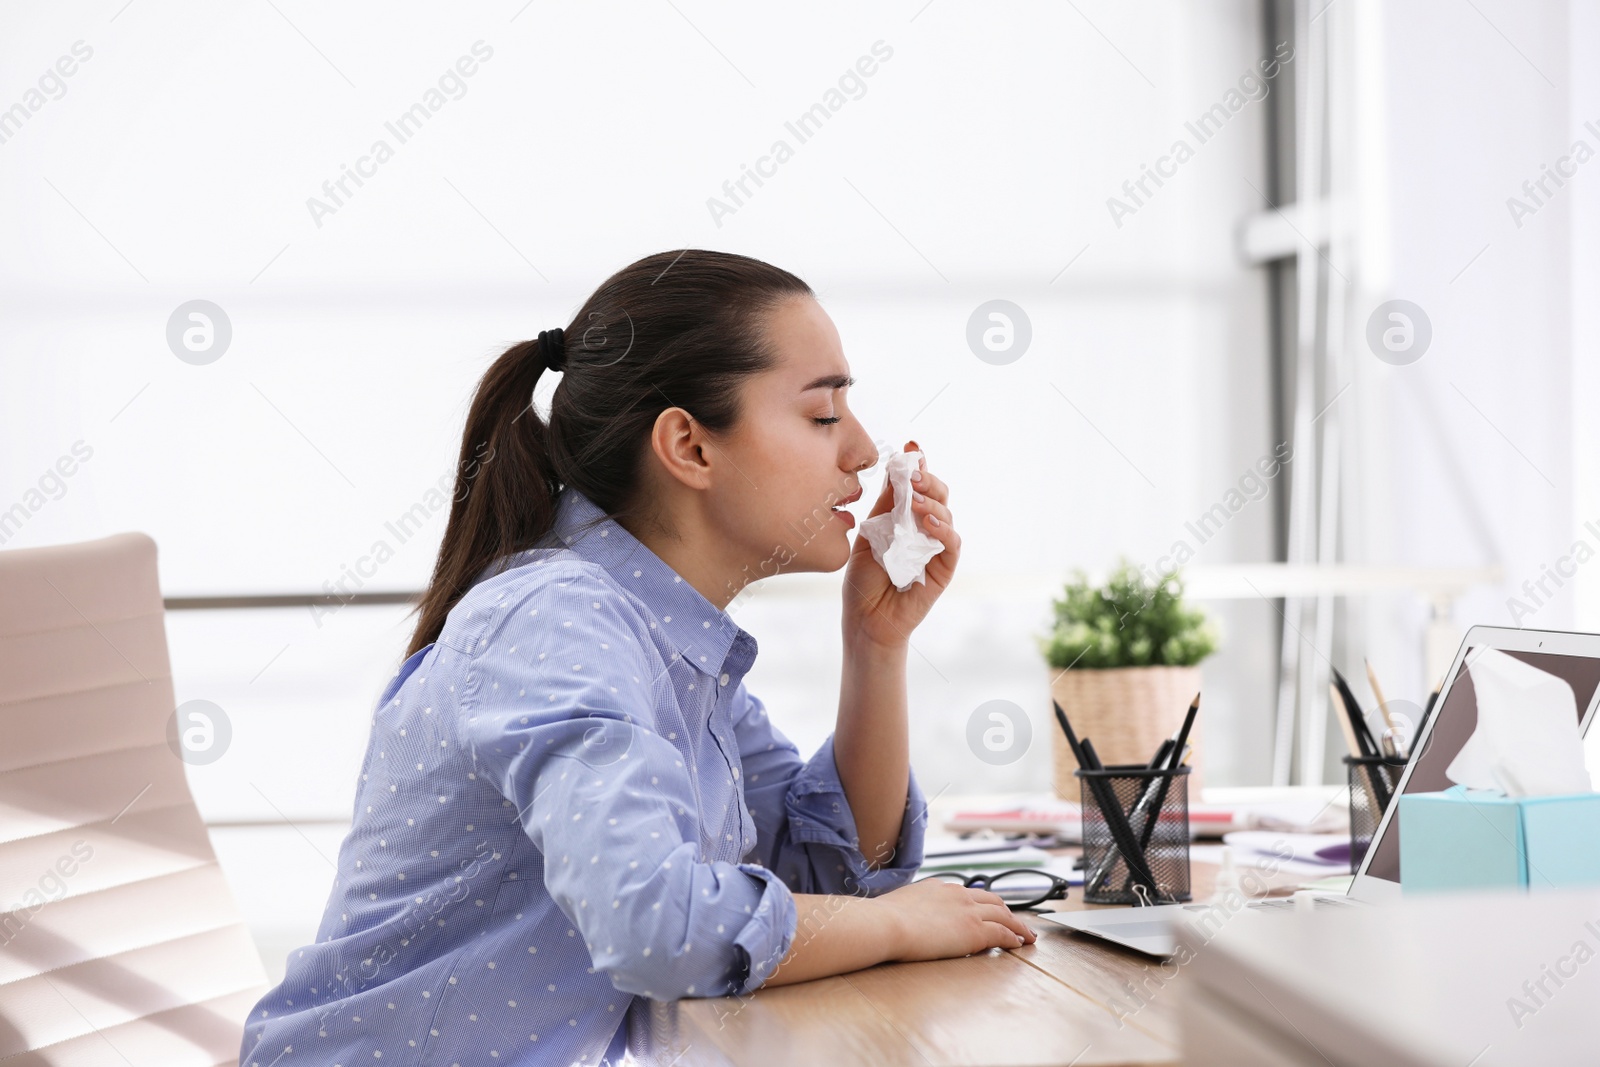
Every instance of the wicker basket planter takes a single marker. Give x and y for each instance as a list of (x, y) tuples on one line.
[(1127, 712)]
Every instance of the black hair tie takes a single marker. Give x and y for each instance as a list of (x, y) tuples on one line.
[(552, 343)]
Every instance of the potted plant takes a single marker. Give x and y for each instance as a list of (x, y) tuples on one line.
[(1124, 659)]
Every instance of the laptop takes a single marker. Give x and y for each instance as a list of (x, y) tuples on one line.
[(1573, 657)]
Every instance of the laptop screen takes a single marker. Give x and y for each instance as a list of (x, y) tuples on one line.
[(1453, 722)]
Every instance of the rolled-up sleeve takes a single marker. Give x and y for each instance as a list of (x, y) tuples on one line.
[(805, 830), (560, 720)]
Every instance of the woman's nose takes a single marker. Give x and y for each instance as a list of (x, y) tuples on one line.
[(866, 448), (871, 461)]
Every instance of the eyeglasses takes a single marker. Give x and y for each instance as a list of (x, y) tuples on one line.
[(1022, 888)]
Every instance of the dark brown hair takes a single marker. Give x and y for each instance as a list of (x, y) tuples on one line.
[(676, 329)]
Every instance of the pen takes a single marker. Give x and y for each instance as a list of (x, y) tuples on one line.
[(1162, 784), (1117, 823), (942, 854), (1107, 800), (1142, 808), (1378, 792), (1183, 733), (1346, 727), (1072, 738), (1171, 753), (1358, 719)]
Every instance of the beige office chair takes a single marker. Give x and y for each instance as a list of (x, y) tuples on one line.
[(120, 942)]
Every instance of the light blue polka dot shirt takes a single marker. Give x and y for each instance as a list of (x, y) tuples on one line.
[(570, 806)]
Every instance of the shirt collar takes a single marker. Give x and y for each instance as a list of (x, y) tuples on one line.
[(703, 633)]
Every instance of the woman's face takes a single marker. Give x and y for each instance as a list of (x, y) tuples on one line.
[(796, 454)]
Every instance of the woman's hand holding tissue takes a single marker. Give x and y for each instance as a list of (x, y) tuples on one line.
[(875, 610)]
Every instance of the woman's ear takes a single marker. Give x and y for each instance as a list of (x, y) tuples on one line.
[(679, 443)]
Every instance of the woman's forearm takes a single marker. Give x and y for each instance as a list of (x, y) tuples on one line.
[(870, 745), (836, 934)]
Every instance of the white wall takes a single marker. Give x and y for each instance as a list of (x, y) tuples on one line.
[(977, 165), (1482, 451)]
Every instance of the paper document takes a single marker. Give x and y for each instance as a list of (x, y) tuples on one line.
[(1025, 856), (1060, 866), (1288, 853)]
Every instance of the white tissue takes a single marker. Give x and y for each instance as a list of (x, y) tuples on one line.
[(899, 546), (1526, 742)]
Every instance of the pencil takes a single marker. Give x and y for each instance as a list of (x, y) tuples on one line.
[(1183, 733), (1389, 746)]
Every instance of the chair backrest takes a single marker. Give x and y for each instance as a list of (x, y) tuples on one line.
[(120, 941)]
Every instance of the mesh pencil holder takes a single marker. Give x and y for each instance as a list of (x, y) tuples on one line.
[(1155, 808), (1372, 782)]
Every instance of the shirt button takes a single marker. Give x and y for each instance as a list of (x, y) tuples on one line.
[(724, 679)]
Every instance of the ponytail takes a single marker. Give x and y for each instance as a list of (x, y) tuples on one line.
[(505, 496), (688, 325)]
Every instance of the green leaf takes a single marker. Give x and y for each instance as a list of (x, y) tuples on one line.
[(1135, 619)]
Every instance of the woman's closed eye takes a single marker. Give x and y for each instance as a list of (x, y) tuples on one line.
[(826, 422)]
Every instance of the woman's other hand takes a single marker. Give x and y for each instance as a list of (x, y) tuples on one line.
[(935, 919)]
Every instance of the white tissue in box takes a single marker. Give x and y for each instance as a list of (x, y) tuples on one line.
[(899, 546), (1526, 742)]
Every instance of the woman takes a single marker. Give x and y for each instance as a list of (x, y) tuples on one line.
[(570, 801)]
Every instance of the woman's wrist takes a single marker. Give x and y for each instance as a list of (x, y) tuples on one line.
[(888, 919), (858, 645), (838, 933)]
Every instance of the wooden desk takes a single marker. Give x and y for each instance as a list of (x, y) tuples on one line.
[(1063, 1000)]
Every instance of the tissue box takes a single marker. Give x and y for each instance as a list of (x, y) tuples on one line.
[(1457, 839)]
